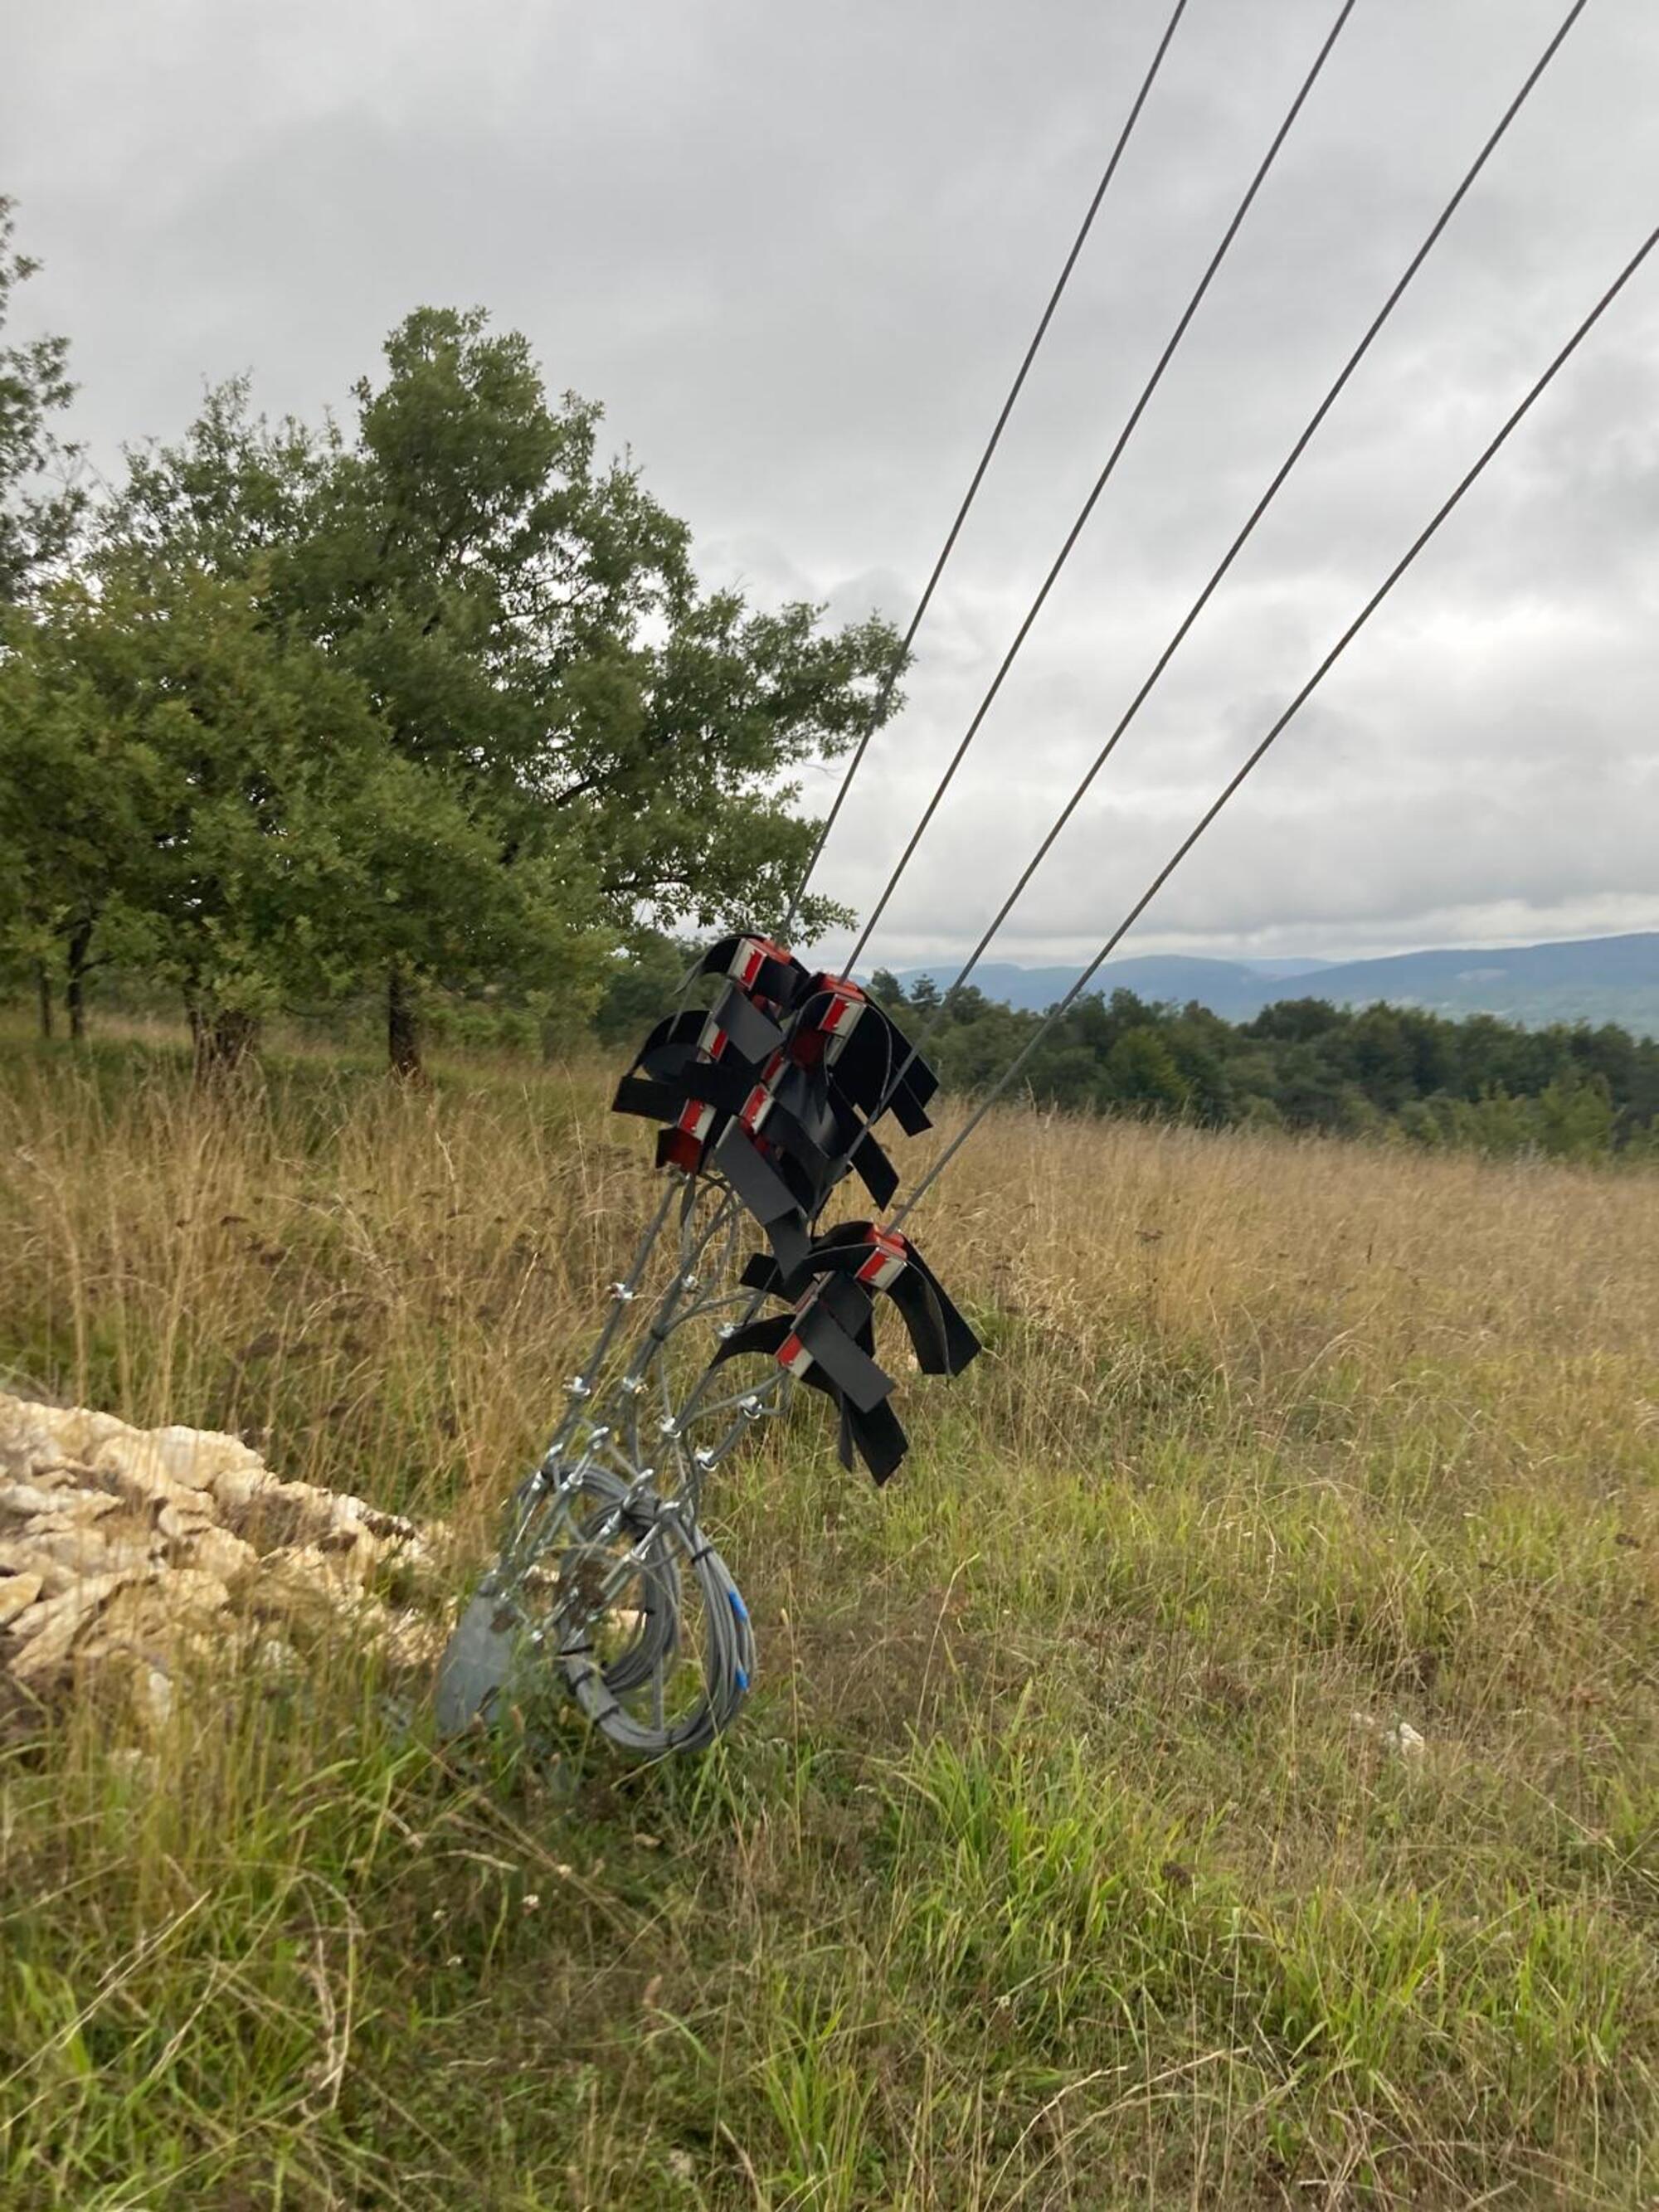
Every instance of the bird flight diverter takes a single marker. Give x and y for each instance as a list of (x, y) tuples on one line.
[(764, 1105), (605, 1582)]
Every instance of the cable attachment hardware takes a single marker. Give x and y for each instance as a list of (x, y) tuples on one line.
[(827, 1340)]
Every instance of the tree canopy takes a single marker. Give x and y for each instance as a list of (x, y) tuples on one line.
[(39, 509), (435, 696), (1568, 1092)]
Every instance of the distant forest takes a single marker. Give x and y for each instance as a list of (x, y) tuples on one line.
[(1568, 1092)]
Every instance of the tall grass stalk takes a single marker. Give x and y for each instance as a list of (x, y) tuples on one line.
[(1068, 1857)]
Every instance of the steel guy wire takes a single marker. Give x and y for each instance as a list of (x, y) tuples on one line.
[(1100, 482), (656, 1528), (1252, 520), (1255, 758), (889, 682), (1014, 390), (1102, 479)]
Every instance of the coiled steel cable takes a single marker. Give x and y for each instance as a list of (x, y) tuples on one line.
[(665, 1546)]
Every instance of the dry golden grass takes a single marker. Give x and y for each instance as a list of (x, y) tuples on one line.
[(1063, 1858)]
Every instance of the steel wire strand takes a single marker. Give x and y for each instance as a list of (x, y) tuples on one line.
[(901, 657), (729, 1643), (929, 588), (534, 1494), (1100, 482), (1057, 1012), (543, 1503), (1254, 517), (1078, 526), (727, 1657)]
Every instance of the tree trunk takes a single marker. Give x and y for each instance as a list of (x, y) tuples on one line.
[(402, 1031), (223, 1041), (43, 982), (75, 986)]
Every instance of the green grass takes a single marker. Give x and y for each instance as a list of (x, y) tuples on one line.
[(1061, 1859)]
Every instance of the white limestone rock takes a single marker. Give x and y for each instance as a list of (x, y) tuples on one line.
[(17, 1594), (144, 1556)]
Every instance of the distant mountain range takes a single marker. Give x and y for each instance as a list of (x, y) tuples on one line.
[(1594, 979)]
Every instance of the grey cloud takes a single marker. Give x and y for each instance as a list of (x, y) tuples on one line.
[(797, 251)]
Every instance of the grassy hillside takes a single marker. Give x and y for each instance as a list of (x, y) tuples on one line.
[(1063, 1859)]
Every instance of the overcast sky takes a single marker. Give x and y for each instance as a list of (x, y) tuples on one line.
[(797, 250)]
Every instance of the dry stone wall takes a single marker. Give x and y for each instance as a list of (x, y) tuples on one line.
[(128, 1554)]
